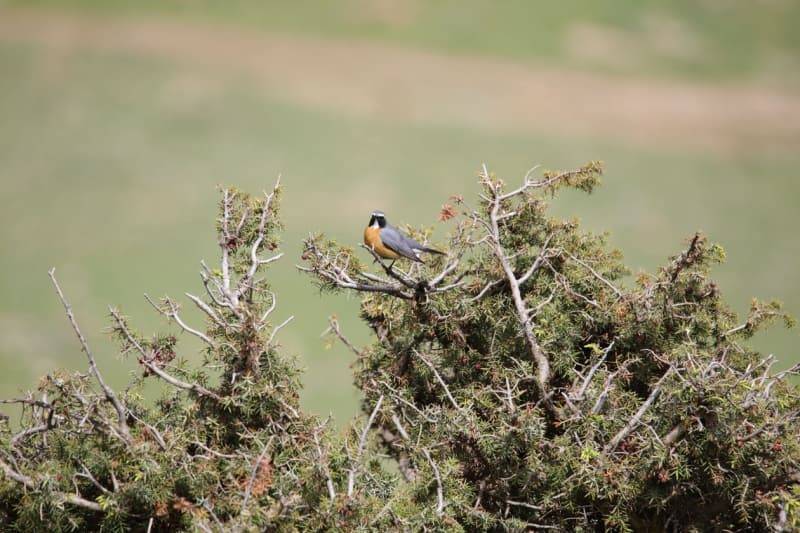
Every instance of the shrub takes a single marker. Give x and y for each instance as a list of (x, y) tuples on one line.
[(525, 385), (521, 381), (226, 447)]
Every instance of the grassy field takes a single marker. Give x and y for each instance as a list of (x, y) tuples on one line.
[(109, 158), (716, 39)]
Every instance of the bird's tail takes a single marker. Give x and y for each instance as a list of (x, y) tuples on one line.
[(433, 251)]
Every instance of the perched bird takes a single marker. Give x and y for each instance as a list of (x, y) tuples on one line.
[(390, 243)]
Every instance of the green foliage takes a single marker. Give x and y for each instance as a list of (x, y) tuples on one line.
[(552, 393), (521, 381), (238, 454)]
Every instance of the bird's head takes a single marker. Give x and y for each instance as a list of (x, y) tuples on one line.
[(377, 220)]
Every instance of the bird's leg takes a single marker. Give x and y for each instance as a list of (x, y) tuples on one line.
[(392, 264)]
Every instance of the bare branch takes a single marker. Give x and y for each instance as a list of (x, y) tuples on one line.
[(324, 464), (246, 282), (440, 380), (278, 328), (603, 396), (540, 184), (16, 476), (636, 419), (596, 274), (592, 371), (153, 431), (489, 286), (86, 474), (223, 244), (539, 357), (391, 272), (213, 452), (526, 182), (537, 263), (524, 504), (254, 474), (446, 271), (351, 479), (172, 312), (28, 432), (145, 359), (397, 396), (788, 417), (271, 307), (65, 497), (336, 329), (403, 459), (109, 393), (194, 387), (439, 491), (206, 309), (400, 428), (674, 434), (330, 269), (209, 277), (509, 397), (333, 268)]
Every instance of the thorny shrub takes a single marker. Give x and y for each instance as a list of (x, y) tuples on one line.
[(522, 381)]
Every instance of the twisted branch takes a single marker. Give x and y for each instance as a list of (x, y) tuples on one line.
[(351, 478), (109, 393)]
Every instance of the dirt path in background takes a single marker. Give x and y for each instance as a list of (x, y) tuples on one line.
[(389, 82)]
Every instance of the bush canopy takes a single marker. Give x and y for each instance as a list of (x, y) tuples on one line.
[(522, 381)]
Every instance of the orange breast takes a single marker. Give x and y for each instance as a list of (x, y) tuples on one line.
[(372, 238)]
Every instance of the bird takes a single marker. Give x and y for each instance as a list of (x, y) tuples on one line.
[(390, 243)]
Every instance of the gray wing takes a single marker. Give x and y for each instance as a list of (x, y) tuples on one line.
[(414, 245), (411, 243), (417, 247), (392, 238)]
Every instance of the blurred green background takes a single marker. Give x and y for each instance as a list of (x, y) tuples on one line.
[(119, 118)]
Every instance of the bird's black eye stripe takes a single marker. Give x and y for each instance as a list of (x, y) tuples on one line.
[(377, 217)]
